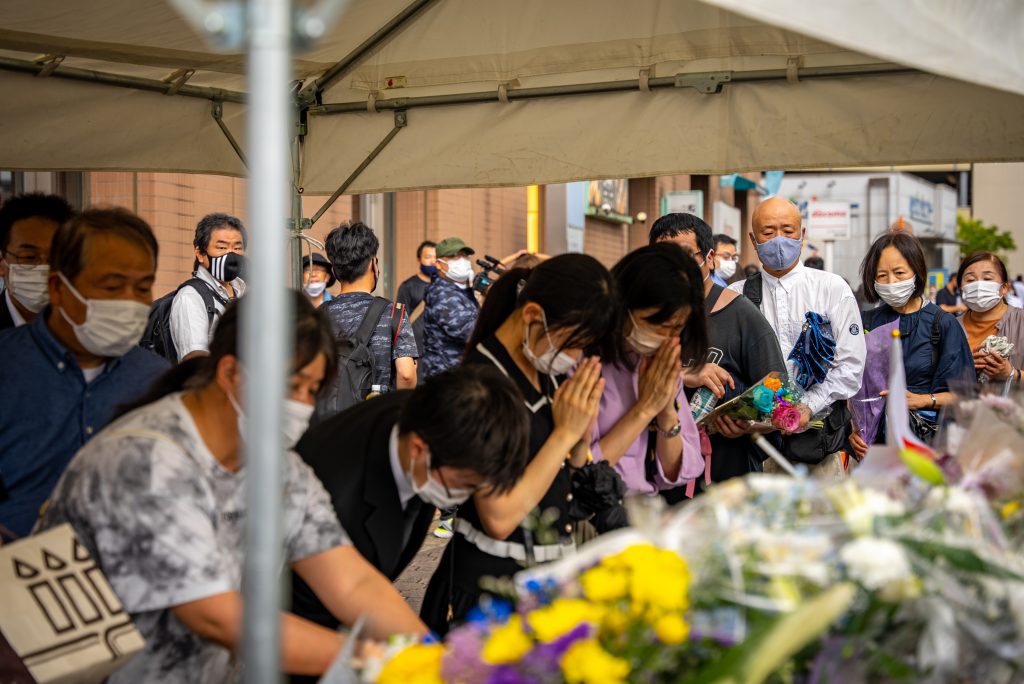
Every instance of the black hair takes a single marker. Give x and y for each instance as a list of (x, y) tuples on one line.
[(67, 253), (665, 276), (982, 256), (473, 418), (423, 246), (312, 337), (670, 225), (31, 205), (723, 239), (907, 245), (576, 293), (210, 223), (815, 262), (351, 247)]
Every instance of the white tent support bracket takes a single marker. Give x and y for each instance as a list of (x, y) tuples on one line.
[(148, 85), (707, 83), (217, 112), (401, 121)]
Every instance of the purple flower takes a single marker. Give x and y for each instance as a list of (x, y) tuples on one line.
[(462, 660), (508, 674), (545, 660)]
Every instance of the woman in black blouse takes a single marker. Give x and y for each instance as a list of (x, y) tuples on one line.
[(535, 325)]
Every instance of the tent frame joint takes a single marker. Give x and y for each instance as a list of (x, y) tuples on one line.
[(709, 83)]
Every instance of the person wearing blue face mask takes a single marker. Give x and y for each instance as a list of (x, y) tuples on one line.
[(414, 289), (790, 295)]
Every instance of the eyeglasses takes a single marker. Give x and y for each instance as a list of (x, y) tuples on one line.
[(34, 259), (447, 490), (729, 257)]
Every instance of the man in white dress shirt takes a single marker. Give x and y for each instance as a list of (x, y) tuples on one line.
[(787, 291)]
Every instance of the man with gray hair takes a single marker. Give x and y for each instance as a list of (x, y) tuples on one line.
[(219, 244)]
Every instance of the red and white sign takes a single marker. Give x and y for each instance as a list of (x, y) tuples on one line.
[(828, 220)]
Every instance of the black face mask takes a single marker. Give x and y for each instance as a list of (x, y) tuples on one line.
[(227, 267)]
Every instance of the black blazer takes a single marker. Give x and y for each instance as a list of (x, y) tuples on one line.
[(349, 452)]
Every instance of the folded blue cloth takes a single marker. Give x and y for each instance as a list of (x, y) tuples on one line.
[(814, 351)]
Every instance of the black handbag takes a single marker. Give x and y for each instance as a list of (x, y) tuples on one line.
[(812, 446)]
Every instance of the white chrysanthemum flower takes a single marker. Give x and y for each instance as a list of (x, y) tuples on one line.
[(876, 563)]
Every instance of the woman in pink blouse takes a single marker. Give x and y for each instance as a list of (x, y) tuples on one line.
[(644, 428)]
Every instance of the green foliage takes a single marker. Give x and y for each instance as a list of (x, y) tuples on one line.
[(975, 236)]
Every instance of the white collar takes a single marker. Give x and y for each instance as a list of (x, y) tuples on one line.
[(786, 281), (405, 492), (16, 316)]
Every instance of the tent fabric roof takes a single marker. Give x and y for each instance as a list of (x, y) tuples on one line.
[(458, 47)]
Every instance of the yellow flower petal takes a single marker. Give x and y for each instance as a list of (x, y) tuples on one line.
[(507, 644), (587, 663), (418, 664)]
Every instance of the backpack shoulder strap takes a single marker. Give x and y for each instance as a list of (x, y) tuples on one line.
[(752, 288), (369, 323), (397, 309), (936, 336), (208, 295)]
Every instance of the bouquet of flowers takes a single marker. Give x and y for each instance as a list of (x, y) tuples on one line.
[(999, 346), (769, 403)]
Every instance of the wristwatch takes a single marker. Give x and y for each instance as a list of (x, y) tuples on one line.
[(935, 402), (672, 431)]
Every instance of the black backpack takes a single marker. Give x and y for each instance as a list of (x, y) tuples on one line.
[(353, 381), (157, 337)]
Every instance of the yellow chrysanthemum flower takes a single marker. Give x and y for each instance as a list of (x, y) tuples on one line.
[(604, 584), (561, 617), (671, 629), (507, 644), (615, 622), (419, 664), (587, 663)]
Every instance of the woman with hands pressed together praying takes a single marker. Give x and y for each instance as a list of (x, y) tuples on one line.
[(535, 326)]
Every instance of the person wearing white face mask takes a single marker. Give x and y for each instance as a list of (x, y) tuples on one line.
[(645, 428), (450, 308), (65, 373), (158, 498), (391, 463), (935, 351), (27, 225), (534, 326), (985, 286)]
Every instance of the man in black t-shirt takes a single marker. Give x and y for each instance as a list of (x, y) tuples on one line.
[(948, 298), (412, 291), (743, 349)]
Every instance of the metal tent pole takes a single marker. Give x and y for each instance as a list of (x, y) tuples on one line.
[(266, 334)]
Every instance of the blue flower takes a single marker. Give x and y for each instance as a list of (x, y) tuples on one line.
[(763, 398)]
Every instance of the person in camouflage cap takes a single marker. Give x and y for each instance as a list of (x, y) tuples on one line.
[(451, 308)]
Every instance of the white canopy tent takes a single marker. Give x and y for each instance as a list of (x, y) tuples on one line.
[(404, 94), (509, 93)]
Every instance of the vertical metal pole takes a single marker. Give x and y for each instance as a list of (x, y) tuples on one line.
[(266, 343), (533, 218), (390, 279), (295, 244)]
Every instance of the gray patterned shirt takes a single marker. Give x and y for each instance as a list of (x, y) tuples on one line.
[(164, 521), (346, 312)]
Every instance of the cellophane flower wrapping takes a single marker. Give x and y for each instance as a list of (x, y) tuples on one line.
[(772, 402)]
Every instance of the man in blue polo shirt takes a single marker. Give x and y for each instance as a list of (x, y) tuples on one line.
[(65, 374)]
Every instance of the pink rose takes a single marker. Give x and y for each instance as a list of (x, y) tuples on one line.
[(786, 418)]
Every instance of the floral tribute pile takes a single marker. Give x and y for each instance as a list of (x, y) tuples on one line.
[(902, 573)]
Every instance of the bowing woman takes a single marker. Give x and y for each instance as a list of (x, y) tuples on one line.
[(935, 351), (535, 326)]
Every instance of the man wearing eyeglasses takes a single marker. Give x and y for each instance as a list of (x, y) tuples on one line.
[(726, 259), (390, 462), (27, 225)]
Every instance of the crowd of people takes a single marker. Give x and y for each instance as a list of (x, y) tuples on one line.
[(523, 410)]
